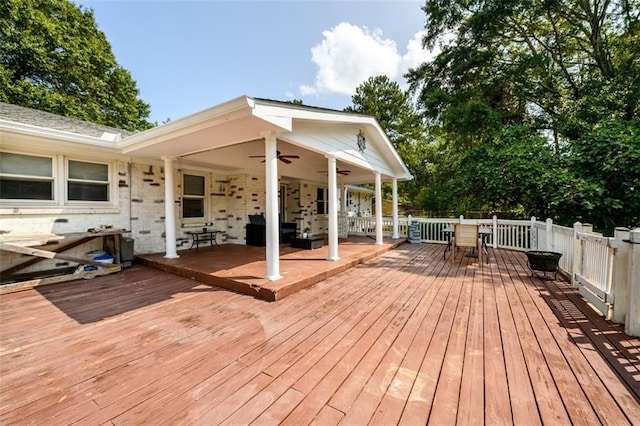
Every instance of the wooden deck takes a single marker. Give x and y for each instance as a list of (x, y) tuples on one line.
[(242, 268), (404, 338)]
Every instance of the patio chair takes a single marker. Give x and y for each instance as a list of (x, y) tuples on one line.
[(466, 236)]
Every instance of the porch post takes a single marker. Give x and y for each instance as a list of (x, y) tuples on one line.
[(333, 208), (379, 239), (394, 198), (632, 322), (620, 274), (271, 217), (169, 210)]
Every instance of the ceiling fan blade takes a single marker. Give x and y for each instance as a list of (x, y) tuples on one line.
[(256, 156), (284, 160), (289, 156)]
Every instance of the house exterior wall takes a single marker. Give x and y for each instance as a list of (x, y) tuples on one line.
[(147, 207), (360, 204), (137, 206), (245, 196)]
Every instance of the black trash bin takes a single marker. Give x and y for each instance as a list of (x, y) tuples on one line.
[(126, 252)]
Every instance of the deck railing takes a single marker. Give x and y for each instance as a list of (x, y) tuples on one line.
[(605, 270)]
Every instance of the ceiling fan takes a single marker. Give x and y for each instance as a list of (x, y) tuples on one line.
[(342, 172), (279, 156)]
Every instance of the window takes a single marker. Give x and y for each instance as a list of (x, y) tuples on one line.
[(322, 201), (26, 177), (87, 181), (193, 196)]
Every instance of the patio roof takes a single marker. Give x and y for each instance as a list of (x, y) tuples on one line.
[(225, 137)]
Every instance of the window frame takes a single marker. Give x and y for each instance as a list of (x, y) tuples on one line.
[(108, 183), (204, 197), (324, 201), (26, 177), (59, 181)]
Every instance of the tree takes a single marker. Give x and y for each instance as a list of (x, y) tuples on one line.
[(392, 107), (558, 65), (608, 158), (528, 88), (54, 58)]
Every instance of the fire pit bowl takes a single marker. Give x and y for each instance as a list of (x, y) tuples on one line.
[(543, 261)]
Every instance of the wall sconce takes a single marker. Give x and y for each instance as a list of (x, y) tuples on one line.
[(362, 142)]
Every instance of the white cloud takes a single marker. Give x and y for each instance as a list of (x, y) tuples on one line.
[(416, 54), (348, 55)]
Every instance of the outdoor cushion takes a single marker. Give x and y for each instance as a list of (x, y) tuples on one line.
[(257, 219)]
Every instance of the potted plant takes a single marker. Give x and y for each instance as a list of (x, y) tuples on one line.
[(543, 261), (305, 232)]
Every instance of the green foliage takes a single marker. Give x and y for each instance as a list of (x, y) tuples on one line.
[(54, 58), (608, 158), (558, 65), (535, 106)]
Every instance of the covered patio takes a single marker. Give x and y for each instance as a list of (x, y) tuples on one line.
[(288, 162), (403, 338)]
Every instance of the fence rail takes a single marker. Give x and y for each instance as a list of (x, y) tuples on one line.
[(598, 266)]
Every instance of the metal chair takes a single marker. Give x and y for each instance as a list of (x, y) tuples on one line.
[(466, 236)]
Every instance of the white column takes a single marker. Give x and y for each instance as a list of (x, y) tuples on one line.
[(169, 210), (271, 217), (379, 239), (394, 195), (333, 208)]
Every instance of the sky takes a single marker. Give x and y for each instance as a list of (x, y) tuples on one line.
[(187, 56)]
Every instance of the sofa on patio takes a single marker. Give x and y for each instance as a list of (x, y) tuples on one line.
[(257, 231)]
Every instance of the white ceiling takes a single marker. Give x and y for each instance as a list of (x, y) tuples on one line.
[(311, 166)]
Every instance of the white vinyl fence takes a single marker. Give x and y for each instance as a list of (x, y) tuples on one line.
[(605, 270)]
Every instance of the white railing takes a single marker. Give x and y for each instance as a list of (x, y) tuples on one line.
[(601, 268), (593, 277)]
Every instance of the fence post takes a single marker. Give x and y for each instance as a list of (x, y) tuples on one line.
[(495, 231), (549, 235), (619, 278), (577, 254), (533, 231), (632, 323)]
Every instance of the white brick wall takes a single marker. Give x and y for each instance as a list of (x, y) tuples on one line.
[(140, 209), (147, 208)]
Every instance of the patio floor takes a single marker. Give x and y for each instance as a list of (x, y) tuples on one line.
[(242, 268), (404, 338)]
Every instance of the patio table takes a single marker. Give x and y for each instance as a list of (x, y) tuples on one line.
[(203, 236)]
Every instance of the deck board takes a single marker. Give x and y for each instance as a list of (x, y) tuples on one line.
[(403, 338)]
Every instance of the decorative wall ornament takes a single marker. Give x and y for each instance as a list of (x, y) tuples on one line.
[(362, 142)]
